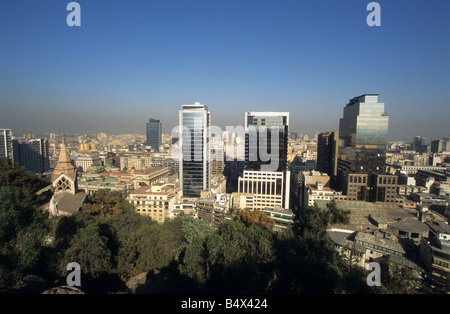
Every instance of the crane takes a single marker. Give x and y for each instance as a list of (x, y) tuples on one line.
[(30, 133)]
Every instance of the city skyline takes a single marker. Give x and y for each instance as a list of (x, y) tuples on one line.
[(128, 62)]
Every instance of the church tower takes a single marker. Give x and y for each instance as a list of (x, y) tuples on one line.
[(64, 177), (66, 198)]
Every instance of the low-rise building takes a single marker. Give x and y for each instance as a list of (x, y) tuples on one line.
[(156, 201), (318, 191), (435, 255), (213, 209), (283, 218), (86, 162)]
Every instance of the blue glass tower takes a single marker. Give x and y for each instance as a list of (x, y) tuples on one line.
[(195, 171), (363, 133), (154, 132)]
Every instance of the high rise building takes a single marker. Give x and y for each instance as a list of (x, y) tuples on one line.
[(32, 154), (195, 171), (6, 144), (439, 146), (265, 128), (266, 142), (362, 151), (327, 153), (363, 132), (419, 144), (154, 133)]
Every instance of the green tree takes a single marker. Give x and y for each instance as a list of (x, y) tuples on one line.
[(89, 249), (239, 258), (193, 255), (337, 215), (156, 247), (29, 183), (123, 228), (22, 232), (105, 203)]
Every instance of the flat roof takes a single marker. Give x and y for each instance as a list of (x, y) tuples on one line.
[(360, 211)]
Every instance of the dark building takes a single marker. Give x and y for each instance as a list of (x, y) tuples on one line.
[(154, 132), (32, 154), (383, 187), (419, 144), (362, 151), (327, 153), (261, 127), (363, 132)]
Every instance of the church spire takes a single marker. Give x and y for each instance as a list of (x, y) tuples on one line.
[(64, 165)]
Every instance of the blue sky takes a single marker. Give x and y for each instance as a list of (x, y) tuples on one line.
[(133, 59)]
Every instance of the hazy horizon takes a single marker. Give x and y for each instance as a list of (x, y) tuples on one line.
[(131, 61)]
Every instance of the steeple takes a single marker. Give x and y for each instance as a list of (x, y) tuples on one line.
[(64, 165), (66, 198)]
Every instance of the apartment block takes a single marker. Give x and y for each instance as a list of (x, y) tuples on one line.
[(156, 201)]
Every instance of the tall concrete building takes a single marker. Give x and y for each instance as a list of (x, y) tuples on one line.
[(6, 144), (363, 132), (32, 154), (154, 133), (195, 170), (266, 176)]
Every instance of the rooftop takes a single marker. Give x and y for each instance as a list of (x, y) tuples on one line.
[(360, 211), (410, 224)]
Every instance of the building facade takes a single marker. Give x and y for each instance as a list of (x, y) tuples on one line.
[(327, 153), (32, 154), (267, 189), (266, 149), (156, 201), (363, 132), (6, 144), (154, 133), (195, 171), (262, 130), (85, 162)]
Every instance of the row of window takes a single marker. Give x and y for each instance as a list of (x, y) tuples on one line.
[(441, 263), (379, 248), (149, 210)]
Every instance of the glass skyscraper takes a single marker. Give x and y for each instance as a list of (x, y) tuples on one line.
[(195, 171), (363, 133), (266, 175), (259, 133), (153, 131)]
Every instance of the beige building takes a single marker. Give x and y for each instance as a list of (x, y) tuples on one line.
[(156, 201), (318, 191), (269, 189), (135, 162), (86, 162)]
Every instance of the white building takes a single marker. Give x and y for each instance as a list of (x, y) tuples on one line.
[(87, 161), (270, 189), (318, 191)]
